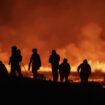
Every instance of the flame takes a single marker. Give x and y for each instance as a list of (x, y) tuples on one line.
[(24, 68), (96, 66)]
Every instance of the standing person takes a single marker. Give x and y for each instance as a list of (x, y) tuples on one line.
[(19, 60), (84, 70), (14, 61), (35, 61), (54, 60), (64, 70)]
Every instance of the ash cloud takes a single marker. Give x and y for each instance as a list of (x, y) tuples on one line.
[(74, 28)]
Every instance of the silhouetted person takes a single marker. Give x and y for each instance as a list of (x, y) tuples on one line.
[(35, 61), (19, 60), (84, 70), (64, 70), (3, 72), (14, 61), (54, 60)]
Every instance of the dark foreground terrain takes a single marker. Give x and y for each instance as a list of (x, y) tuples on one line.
[(37, 92)]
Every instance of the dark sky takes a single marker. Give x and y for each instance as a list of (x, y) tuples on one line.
[(75, 28)]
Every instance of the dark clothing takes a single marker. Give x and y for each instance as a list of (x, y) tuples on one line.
[(36, 63), (14, 61), (19, 59), (54, 60), (3, 72), (64, 70), (84, 70)]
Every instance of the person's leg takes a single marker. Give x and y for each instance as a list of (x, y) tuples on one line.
[(66, 78), (82, 79), (34, 71), (86, 79), (19, 71), (61, 77), (55, 75), (35, 74), (13, 72)]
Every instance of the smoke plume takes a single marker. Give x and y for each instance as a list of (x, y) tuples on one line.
[(75, 28)]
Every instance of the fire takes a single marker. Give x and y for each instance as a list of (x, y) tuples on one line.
[(98, 66), (45, 68), (94, 65), (24, 68)]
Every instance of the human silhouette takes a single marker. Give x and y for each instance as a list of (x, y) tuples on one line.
[(64, 70), (19, 60), (35, 61), (3, 71), (84, 70), (14, 61), (54, 60)]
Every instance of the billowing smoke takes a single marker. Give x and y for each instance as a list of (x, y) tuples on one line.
[(75, 28)]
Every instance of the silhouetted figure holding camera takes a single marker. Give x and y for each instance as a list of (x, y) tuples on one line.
[(84, 70), (64, 70), (36, 62), (15, 61), (3, 71), (54, 60)]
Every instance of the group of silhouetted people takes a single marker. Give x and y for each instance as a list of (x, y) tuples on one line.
[(62, 69)]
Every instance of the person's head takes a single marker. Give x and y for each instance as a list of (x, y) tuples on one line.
[(18, 51), (1, 63), (85, 61), (14, 48), (65, 60), (34, 50), (53, 52)]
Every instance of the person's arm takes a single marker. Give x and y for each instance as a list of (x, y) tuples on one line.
[(69, 68), (30, 63), (58, 58), (9, 61), (39, 61), (50, 59), (89, 69), (78, 69), (21, 57)]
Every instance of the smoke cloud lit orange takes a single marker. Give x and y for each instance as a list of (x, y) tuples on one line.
[(75, 29)]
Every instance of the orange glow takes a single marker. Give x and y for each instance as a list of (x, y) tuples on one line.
[(95, 66), (98, 66), (54, 24)]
